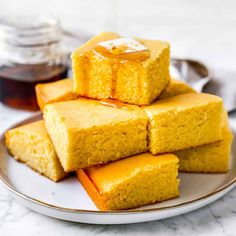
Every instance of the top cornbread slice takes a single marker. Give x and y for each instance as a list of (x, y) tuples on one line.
[(184, 121), (174, 88), (61, 90), (31, 144), (132, 182), (86, 133), (136, 82)]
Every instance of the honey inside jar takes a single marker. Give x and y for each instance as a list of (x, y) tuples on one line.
[(17, 84), (30, 53)]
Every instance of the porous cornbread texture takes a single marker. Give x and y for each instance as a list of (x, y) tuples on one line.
[(58, 91), (210, 158), (86, 133), (31, 144), (136, 82), (184, 121), (132, 182), (174, 88)]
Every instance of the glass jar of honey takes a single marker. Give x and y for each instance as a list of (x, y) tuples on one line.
[(30, 53)]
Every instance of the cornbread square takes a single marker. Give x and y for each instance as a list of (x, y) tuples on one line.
[(174, 88), (85, 132), (137, 82), (210, 158), (132, 182), (31, 144), (61, 90), (184, 121)]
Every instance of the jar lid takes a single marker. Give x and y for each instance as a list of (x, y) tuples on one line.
[(29, 31), (30, 40)]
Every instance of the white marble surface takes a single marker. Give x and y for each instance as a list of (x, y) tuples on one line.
[(199, 29)]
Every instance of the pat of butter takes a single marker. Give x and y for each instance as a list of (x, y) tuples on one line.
[(124, 48)]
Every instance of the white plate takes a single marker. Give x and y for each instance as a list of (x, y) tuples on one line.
[(67, 199)]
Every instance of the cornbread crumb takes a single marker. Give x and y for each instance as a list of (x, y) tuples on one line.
[(85, 132), (184, 121), (209, 158), (139, 82), (31, 144), (58, 91), (132, 182), (174, 88)]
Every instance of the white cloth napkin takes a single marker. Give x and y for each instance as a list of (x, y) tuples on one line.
[(223, 84), (220, 82)]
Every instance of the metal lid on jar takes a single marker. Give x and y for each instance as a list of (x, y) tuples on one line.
[(29, 31), (30, 40)]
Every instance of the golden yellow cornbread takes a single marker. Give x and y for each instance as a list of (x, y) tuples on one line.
[(31, 144), (132, 182), (85, 132), (61, 90), (184, 121), (174, 88), (210, 158), (133, 81)]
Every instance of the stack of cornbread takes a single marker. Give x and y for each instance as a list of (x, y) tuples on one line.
[(123, 125)]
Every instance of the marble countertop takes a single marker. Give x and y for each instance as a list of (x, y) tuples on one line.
[(201, 29)]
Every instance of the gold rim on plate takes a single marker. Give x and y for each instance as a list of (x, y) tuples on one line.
[(6, 183)]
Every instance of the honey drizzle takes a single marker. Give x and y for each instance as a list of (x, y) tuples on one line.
[(116, 62), (115, 104)]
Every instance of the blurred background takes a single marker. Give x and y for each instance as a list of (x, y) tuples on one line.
[(200, 29)]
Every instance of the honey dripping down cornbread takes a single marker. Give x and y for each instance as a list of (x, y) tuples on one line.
[(61, 90), (85, 132), (132, 182), (184, 121), (31, 144), (209, 158), (101, 71)]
